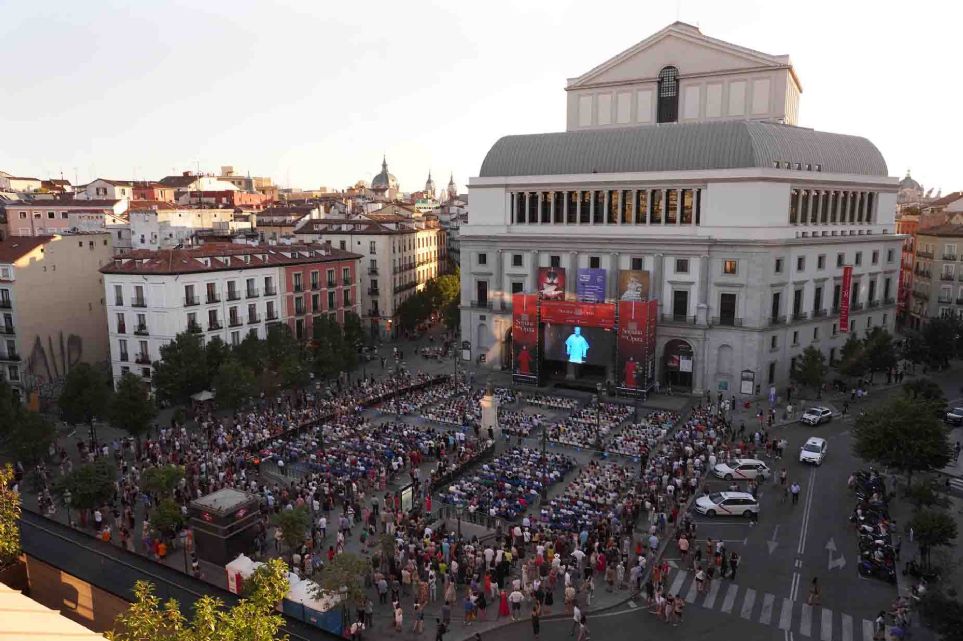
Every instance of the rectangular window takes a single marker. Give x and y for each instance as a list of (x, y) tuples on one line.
[(837, 292), (821, 261), (346, 297), (681, 265), (772, 373), (817, 300), (875, 257), (889, 255), (800, 263), (775, 306), (516, 260), (815, 333), (887, 285), (346, 276), (372, 247), (656, 205), (680, 304), (595, 262), (773, 342), (517, 287), (797, 300), (729, 266), (553, 261), (672, 206), (778, 266), (859, 258), (298, 284), (331, 281), (840, 259), (481, 290), (795, 338), (331, 299), (315, 279), (637, 264), (727, 309), (482, 259), (118, 295)]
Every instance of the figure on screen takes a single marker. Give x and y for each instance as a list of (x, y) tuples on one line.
[(576, 346), (631, 372), (524, 361)]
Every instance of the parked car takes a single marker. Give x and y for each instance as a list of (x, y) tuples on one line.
[(813, 451), (816, 416), (727, 504), (954, 416), (742, 469)]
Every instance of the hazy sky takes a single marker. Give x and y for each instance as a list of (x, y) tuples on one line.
[(312, 92)]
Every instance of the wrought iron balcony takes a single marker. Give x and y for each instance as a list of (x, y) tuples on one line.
[(139, 302), (142, 359), (855, 307), (7, 329), (373, 291), (947, 277), (800, 316), (6, 303), (373, 271), (141, 330), (777, 320), (727, 321), (213, 298), (190, 301), (194, 328), (678, 318), (214, 325), (946, 300), (233, 295), (235, 322), (271, 316), (252, 292), (949, 256), (924, 254), (253, 319), (819, 313), (270, 291)]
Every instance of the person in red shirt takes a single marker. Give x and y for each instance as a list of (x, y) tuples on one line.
[(524, 361), (630, 367)]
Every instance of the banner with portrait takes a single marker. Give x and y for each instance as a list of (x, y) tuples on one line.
[(551, 283), (633, 285), (525, 338), (635, 360)]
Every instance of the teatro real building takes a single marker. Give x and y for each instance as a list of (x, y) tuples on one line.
[(683, 177)]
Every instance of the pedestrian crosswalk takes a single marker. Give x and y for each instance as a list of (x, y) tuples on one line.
[(809, 622)]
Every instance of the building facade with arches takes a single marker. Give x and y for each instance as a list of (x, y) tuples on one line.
[(682, 160)]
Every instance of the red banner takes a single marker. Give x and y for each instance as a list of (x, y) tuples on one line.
[(635, 364), (572, 313), (844, 291), (525, 338), (551, 283)]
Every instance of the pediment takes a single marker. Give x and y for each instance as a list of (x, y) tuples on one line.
[(679, 45)]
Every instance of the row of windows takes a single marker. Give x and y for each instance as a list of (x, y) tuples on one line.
[(819, 207), (620, 206)]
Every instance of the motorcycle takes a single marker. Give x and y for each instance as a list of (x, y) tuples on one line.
[(869, 568)]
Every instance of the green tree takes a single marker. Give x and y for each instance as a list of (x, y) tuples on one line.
[(354, 334), (902, 434), (942, 614), (879, 351), (942, 337), (216, 351), (131, 408), (10, 408), (294, 525), (162, 480), (932, 528), (450, 286), (252, 352), (329, 347), (280, 345), (294, 372), (927, 393), (167, 517), (414, 310), (253, 618), (852, 357), (30, 438), (451, 315), (233, 385), (183, 369), (344, 575), (9, 517), (85, 395), (914, 347), (810, 368), (89, 485)]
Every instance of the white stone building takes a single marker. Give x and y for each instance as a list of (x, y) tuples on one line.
[(681, 158)]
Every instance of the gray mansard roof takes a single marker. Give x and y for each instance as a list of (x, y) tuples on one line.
[(734, 144)]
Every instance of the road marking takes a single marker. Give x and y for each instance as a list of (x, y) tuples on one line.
[(765, 617), (785, 615), (867, 630), (633, 604), (805, 620), (730, 599), (826, 627), (747, 602), (678, 581), (847, 627), (807, 510), (690, 596), (713, 591)]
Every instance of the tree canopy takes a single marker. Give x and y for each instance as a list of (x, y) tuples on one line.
[(85, 395), (294, 525), (162, 480), (852, 357), (234, 384), (903, 434), (183, 370), (810, 368), (879, 350), (933, 528), (30, 437), (132, 408), (89, 485), (253, 618), (9, 517), (344, 575), (438, 296)]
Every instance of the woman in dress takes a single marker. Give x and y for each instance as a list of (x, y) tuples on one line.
[(536, 614), (503, 610)]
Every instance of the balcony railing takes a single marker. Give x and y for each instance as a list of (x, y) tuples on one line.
[(946, 300), (373, 291), (777, 320), (214, 325), (299, 311), (298, 288), (405, 287), (190, 301), (819, 313), (235, 322), (7, 329), (6, 304), (727, 321), (959, 301), (889, 301), (124, 357), (482, 304), (193, 328), (252, 293), (922, 254), (373, 271), (141, 330), (253, 319), (873, 303), (11, 356), (346, 282), (678, 318), (332, 284), (315, 285), (233, 295), (213, 298), (800, 316), (142, 359), (139, 302), (271, 316), (949, 277), (855, 307), (949, 256), (121, 329), (374, 313), (118, 302), (270, 291)]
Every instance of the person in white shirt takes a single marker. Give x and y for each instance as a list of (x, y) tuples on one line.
[(576, 619)]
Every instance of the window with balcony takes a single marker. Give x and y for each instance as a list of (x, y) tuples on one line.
[(250, 286), (232, 291), (271, 312), (346, 276), (122, 354), (680, 304), (818, 301), (192, 325), (141, 328), (346, 297), (235, 338), (797, 302), (190, 297), (298, 282), (299, 305), (269, 289), (315, 303), (331, 281), (727, 309), (332, 303), (121, 324), (481, 293), (775, 306), (252, 313), (139, 300), (212, 296), (372, 247), (233, 317), (212, 322), (118, 295), (315, 279)]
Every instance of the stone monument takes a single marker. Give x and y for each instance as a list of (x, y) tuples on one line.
[(489, 409)]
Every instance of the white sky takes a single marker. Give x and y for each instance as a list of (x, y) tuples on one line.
[(313, 92)]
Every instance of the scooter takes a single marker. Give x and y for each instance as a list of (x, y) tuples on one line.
[(870, 568)]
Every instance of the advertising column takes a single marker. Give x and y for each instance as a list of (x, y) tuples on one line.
[(844, 292), (636, 345), (525, 338)]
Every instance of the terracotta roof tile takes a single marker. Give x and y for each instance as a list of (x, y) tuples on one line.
[(222, 256), (16, 247)]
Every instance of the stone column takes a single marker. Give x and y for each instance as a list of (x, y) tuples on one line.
[(570, 274), (611, 282), (534, 284), (656, 288), (678, 206), (499, 293), (702, 307)]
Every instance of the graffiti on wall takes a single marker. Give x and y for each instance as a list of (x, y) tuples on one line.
[(47, 365)]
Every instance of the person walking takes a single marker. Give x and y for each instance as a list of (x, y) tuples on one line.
[(536, 614), (440, 627), (399, 617), (794, 490), (813, 598), (733, 564), (879, 626), (583, 630), (576, 620), (419, 625)]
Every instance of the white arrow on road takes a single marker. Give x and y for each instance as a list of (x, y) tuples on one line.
[(838, 563), (772, 543)]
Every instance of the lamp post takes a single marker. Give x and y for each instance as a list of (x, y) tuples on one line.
[(598, 416), (67, 506), (459, 509)]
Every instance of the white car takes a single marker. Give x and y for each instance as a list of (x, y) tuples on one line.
[(742, 469), (727, 504), (816, 416), (813, 451), (954, 416)]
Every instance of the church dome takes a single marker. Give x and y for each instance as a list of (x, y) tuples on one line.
[(430, 186), (909, 183), (384, 180)]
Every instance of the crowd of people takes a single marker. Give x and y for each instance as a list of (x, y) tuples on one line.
[(590, 426), (415, 403), (632, 439), (507, 486), (552, 402), (518, 423)]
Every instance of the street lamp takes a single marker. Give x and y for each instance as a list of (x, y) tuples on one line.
[(598, 416), (67, 506)]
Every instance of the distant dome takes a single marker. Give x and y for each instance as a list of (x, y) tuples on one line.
[(384, 180), (430, 186), (909, 183)]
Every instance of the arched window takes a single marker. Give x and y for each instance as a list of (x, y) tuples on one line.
[(668, 94)]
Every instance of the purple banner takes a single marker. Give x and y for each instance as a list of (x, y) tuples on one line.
[(590, 285)]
